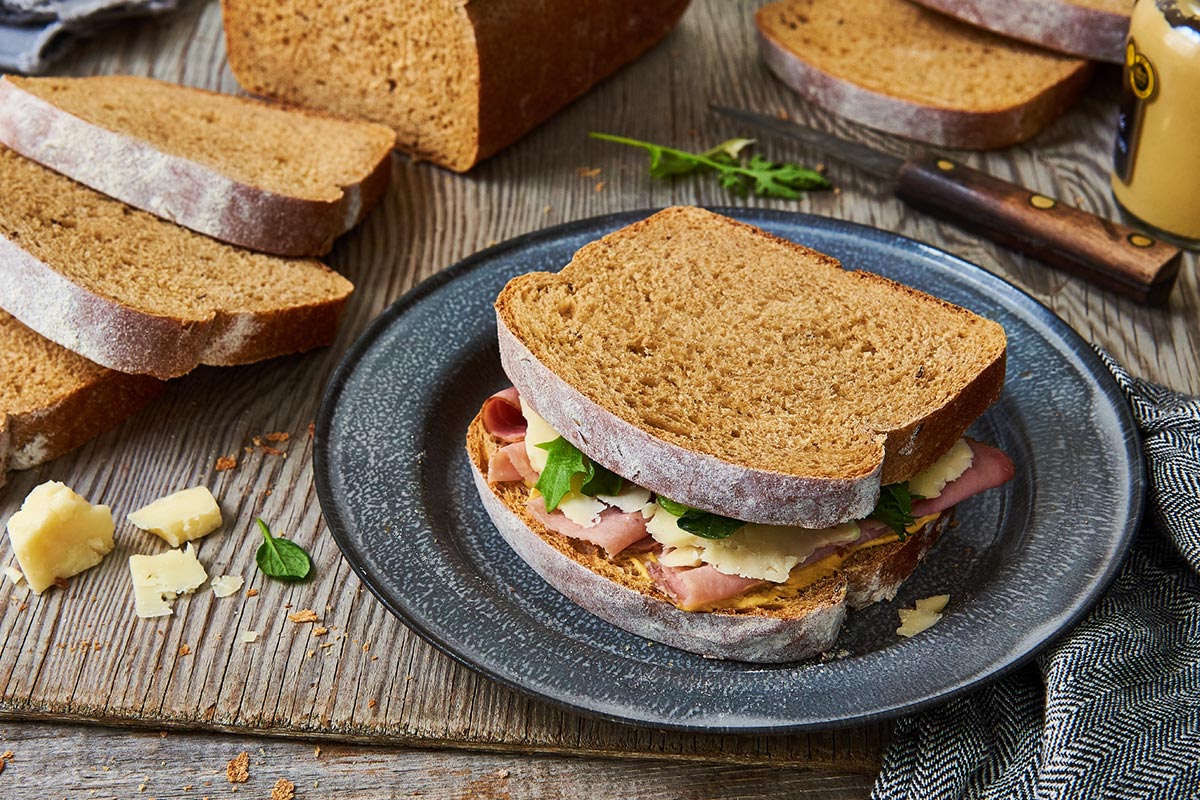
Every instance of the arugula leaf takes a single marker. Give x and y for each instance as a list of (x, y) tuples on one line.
[(564, 462), (708, 526), (765, 178), (671, 507), (894, 508), (602, 482), (280, 558)]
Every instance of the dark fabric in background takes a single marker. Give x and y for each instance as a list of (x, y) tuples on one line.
[(1112, 710), (35, 32)]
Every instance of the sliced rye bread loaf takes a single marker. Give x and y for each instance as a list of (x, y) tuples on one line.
[(897, 67), (52, 401), (457, 81), (1093, 29), (798, 626), (742, 374), (277, 180), (137, 294)]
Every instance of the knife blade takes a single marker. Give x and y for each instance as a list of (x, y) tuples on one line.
[(1130, 262)]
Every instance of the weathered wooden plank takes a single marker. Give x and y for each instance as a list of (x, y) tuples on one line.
[(132, 672), (101, 764)]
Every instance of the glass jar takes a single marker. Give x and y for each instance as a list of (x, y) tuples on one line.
[(1156, 169)]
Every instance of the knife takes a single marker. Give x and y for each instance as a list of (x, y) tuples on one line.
[(1120, 259)]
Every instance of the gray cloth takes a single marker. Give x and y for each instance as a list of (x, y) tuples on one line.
[(1112, 710), (35, 32)]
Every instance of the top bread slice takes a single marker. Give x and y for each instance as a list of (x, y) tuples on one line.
[(897, 67), (1093, 29), (742, 374), (457, 81), (52, 401), (136, 294), (268, 178)]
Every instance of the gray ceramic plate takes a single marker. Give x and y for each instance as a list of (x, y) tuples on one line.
[(1023, 565)]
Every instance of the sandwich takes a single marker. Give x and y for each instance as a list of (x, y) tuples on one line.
[(722, 441)]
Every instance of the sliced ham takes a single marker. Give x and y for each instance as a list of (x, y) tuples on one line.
[(990, 468), (502, 416), (693, 587), (615, 531), (511, 463)]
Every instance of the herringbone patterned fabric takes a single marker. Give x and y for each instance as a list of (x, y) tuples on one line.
[(1113, 710)]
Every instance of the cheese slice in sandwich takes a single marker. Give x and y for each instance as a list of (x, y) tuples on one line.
[(714, 435)]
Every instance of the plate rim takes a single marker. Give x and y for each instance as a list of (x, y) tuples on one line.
[(334, 521)]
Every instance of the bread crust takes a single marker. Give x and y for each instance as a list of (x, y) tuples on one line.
[(1093, 33), (580, 571), (128, 340), (734, 490), (177, 189), (38, 435), (946, 127)]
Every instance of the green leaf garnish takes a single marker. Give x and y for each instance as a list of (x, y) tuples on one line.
[(765, 178), (894, 508), (563, 463), (671, 507), (280, 558), (602, 482), (708, 526)]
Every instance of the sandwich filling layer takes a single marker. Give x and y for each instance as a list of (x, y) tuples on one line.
[(699, 560)]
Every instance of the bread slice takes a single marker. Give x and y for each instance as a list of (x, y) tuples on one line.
[(136, 294), (268, 178), (900, 68), (742, 374), (52, 401), (457, 81), (1093, 29), (793, 628)]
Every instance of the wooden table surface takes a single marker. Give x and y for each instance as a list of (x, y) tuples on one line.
[(391, 717)]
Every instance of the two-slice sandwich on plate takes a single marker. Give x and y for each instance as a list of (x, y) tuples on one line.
[(720, 440)]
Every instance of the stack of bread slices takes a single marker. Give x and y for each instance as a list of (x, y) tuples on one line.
[(149, 228), (955, 73)]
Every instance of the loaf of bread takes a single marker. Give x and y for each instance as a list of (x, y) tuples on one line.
[(136, 294), (1093, 29), (898, 67), (268, 178), (52, 401), (457, 81)]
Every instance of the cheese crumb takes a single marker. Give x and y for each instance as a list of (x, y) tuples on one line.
[(159, 580), (238, 769), (227, 585), (57, 534), (249, 637), (926, 614), (181, 517), (15, 575), (304, 615)]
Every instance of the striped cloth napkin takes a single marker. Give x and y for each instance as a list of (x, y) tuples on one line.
[(1112, 710), (35, 32)]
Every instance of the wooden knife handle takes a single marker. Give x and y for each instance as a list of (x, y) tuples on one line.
[(1108, 254)]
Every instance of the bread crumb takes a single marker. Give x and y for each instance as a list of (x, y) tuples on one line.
[(256, 441), (283, 790), (184, 650), (587, 172), (238, 770), (547, 209), (278, 436), (249, 637), (366, 646), (317, 751), (320, 630), (371, 704), (304, 615), (599, 186), (252, 593), (225, 463), (312, 428), (782, 113), (273, 451)]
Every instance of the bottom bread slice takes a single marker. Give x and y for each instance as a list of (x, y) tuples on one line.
[(613, 589)]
